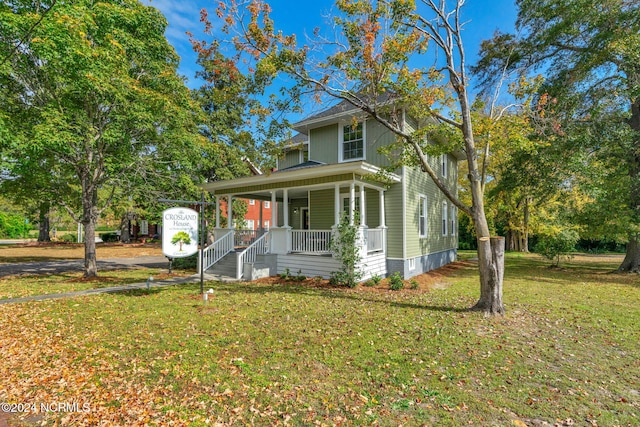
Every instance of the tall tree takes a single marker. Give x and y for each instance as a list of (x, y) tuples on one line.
[(589, 52), (94, 86), (369, 63)]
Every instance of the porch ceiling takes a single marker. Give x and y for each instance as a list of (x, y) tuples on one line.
[(313, 176)]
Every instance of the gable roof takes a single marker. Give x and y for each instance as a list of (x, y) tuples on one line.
[(296, 141), (341, 109), (304, 165)]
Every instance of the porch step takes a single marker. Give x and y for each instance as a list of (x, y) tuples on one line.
[(225, 267)]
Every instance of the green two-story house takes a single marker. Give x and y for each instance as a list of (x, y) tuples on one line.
[(333, 167)]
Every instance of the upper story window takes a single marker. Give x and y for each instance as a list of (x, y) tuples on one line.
[(352, 141), (444, 165)]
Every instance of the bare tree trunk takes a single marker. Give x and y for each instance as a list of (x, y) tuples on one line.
[(43, 226), (510, 243), (89, 220), (491, 263), (491, 269), (490, 258), (125, 226), (631, 262), (525, 238)]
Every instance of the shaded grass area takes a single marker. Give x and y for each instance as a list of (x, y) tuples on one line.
[(23, 286), (566, 353)]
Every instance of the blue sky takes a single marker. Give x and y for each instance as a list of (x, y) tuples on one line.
[(302, 16)]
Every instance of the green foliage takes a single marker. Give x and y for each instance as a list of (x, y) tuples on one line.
[(588, 106), (109, 237), (345, 248), (94, 106), (395, 281), (69, 238), (286, 274), (13, 226), (414, 284), (186, 263), (374, 280), (553, 246)]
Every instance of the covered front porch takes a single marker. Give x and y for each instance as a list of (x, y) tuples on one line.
[(307, 204)]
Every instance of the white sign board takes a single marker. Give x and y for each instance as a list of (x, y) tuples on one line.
[(179, 232)]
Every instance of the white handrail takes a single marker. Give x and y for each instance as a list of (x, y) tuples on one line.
[(246, 237), (260, 246), (218, 249), (311, 241)]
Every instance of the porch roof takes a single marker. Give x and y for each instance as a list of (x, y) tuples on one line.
[(293, 176)]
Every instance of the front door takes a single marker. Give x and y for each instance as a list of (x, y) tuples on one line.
[(304, 218)]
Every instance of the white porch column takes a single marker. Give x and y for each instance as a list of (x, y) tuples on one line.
[(383, 222), (229, 211), (352, 202), (217, 211), (336, 206), (285, 207), (274, 214), (363, 207)]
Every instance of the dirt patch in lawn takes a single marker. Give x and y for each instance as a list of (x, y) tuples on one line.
[(52, 251)]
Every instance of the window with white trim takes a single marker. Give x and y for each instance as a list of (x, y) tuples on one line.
[(352, 142), (444, 218), (266, 225), (267, 204), (452, 220), (144, 227), (345, 204), (250, 224), (412, 264), (443, 165), (252, 202), (422, 216)]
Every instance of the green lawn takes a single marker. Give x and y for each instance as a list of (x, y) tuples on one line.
[(566, 353)]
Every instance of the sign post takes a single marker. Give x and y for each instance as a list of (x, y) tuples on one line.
[(183, 221)]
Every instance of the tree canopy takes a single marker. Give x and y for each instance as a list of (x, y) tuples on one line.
[(589, 53), (93, 87)]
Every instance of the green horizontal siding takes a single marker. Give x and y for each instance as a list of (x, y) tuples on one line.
[(377, 136), (291, 158), (394, 220), (321, 210), (419, 183), (323, 144)]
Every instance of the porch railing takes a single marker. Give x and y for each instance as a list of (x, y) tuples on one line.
[(218, 249), (375, 239), (244, 238), (260, 246), (311, 241)]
